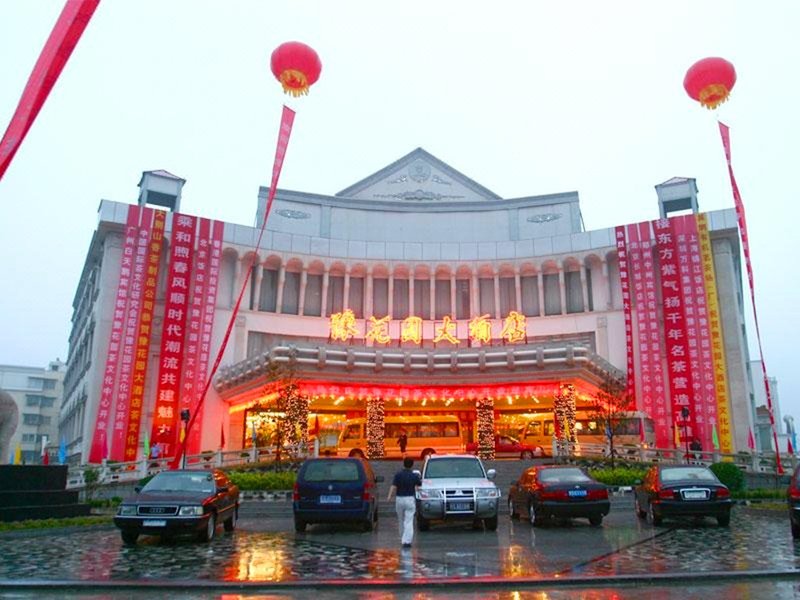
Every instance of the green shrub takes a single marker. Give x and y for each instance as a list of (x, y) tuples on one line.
[(48, 523), (729, 474), (618, 475), (760, 494), (104, 502), (270, 480)]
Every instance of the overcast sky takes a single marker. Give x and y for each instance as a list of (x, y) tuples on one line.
[(525, 98)]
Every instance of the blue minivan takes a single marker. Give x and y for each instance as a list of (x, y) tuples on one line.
[(335, 490)]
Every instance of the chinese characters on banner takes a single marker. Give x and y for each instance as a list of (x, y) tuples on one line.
[(173, 332), (720, 370), (117, 450), (134, 418), (343, 327), (675, 337), (99, 448), (693, 285), (622, 253)]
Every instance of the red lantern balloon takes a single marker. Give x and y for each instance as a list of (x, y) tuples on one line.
[(296, 66), (710, 81)]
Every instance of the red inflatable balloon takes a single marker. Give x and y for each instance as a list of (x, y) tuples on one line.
[(710, 81), (296, 66)]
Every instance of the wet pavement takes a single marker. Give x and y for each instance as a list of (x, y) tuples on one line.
[(267, 551)]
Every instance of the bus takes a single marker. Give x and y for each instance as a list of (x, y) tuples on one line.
[(427, 434), (633, 430)]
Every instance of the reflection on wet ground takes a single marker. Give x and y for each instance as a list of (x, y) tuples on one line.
[(266, 551)]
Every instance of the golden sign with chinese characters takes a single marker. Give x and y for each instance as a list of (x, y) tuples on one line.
[(343, 327)]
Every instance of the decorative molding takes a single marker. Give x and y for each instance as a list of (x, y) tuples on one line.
[(439, 180), (401, 179), (293, 214), (544, 218), (419, 171)]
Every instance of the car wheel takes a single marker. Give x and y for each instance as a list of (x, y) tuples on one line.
[(526, 455), (299, 525), (426, 453), (230, 524), (211, 528), (422, 523), (356, 453), (129, 537), (642, 514), (512, 511), (795, 529), (596, 520), (532, 516), (655, 518), (724, 520), (490, 523)]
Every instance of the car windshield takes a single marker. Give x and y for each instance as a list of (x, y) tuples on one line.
[(331, 470), (687, 474), (453, 467), (180, 482), (570, 475)]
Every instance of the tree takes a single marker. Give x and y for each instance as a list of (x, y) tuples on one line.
[(612, 403)]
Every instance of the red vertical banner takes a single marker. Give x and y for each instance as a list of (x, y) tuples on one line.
[(59, 46), (143, 337), (206, 328), (740, 216), (190, 384), (173, 332), (99, 447), (677, 347), (639, 323), (128, 352), (622, 254), (655, 376)]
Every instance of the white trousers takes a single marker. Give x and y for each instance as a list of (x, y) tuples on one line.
[(405, 507)]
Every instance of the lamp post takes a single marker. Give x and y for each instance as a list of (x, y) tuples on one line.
[(685, 415)]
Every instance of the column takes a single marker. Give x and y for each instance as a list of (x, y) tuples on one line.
[(411, 294), (368, 294), (584, 289), (606, 285), (324, 308), (453, 294), (390, 303), (257, 283), (433, 296), (475, 307), (302, 300), (496, 295), (562, 290), (540, 287), (237, 282), (518, 289), (281, 281), (346, 299)]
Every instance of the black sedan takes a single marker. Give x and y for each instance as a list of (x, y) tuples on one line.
[(561, 492), (682, 490), (793, 495), (180, 502)]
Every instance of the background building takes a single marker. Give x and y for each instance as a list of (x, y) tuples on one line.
[(417, 238), (38, 393)]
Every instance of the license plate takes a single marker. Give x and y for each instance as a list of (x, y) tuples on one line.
[(330, 499), (694, 494), (577, 493), (154, 523), (460, 506)]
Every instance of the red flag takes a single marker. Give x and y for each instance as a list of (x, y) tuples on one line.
[(46, 456), (315, 429), (222, 436), (789, 447), (62, 41)]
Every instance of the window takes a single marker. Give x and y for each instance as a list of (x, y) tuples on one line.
[(574, 291), (313, 305), (422, 298), (462, 299), (380, 297), (508, 295), (49, 384), (28, 438), (31, 400), (552, 294), (355, 299), (530, 296), (353, 432), (486, 291), (269, 291), (589, 293), (291, 293), (31, 419), (442, 298), (400, 299), (331, 470), (335, 301)]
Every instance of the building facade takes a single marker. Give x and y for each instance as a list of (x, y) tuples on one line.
[(38, 393), (414, 290)]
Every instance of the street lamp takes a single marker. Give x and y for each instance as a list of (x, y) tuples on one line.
[(685, 415), (185, 419)]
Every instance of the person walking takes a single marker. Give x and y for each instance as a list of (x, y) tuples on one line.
[(402, 441), (404, 487)]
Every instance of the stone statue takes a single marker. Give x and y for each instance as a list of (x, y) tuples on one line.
[(9, 418)]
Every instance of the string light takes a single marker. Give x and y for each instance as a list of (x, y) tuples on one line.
[(375, 433), (484, 417)]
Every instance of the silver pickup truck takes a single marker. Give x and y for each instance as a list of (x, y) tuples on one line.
[(457, 488)]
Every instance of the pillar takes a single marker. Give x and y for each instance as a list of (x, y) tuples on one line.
[(281, 281), (302, 300)]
